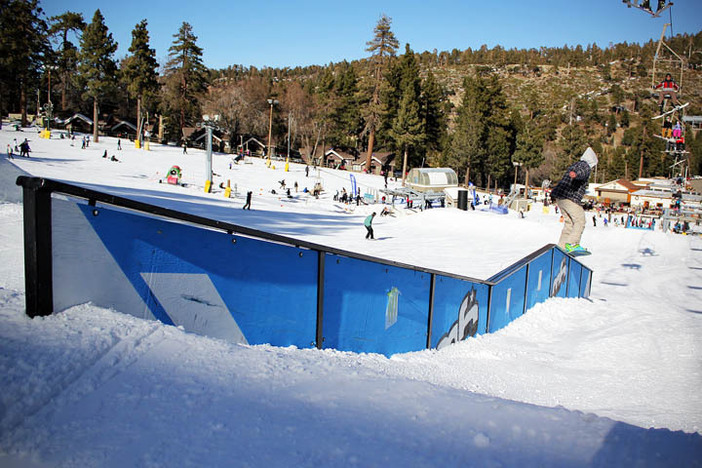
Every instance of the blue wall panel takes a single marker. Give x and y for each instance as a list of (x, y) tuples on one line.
[(507, 302), (269, 289), (186, 275), (539, 284), (585, 283), (375, 308), (460, 310), (574, 279), (559, 274)]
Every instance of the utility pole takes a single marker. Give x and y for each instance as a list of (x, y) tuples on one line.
[(272, 102), (642, 153), (209, 124)]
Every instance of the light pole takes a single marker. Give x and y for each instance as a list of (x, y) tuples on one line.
[(516, 165), (272, 102), (209, 124)]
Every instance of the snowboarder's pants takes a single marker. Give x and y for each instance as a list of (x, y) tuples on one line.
[(370, 232), (573, 222), (668, 92)]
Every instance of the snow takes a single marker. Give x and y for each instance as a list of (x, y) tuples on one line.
[(608, 381)]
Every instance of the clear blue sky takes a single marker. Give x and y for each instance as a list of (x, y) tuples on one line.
[(280, 33)]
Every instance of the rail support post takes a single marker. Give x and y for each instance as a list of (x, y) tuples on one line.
[(37, 247)]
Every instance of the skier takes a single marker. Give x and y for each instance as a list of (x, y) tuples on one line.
[(368, 223), (568, 195), (9, 152), (669, 88), (247, 206), (119, 144)]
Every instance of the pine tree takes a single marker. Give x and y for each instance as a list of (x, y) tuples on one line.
[(483, 138), (23, 50), (407, 126), (346, 117), (96, 65), (383, 46), (139, 72), (529, 148), (403, 74), (67, 54), (572, 143), (434, 110), (499, 144), (467, 152), (186, 77)]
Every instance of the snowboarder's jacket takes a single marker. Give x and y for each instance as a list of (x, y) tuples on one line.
[(573, 189), (668, 84), (368, 221)]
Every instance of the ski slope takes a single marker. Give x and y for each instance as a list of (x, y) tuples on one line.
[(610, 381)]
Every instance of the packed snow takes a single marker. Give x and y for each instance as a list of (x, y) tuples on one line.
[(613, 380)]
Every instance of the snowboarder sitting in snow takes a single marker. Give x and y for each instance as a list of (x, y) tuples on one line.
[(669, 88), (568, 196)]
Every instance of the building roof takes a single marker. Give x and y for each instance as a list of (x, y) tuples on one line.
[(340, 155), (78, 116), (124, 123), (619, 185), (383, 158)]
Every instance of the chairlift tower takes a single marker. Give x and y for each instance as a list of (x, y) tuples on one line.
[(665, 61)]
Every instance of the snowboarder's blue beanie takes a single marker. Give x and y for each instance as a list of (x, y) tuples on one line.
[(589, 157)]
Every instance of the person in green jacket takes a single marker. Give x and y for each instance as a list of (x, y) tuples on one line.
[(368, 223)]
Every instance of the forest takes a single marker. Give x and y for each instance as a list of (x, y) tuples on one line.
[(491, 114)]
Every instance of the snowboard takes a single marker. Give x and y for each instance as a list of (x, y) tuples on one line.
[(676, 108), (579, 253)]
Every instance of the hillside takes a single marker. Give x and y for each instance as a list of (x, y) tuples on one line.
[(573, 97)]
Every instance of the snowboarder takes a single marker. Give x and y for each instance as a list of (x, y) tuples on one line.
[(677, 130), (185, 148), (24, 148), (119, 144), (247, 206), (568, 195), (368, 223), (669, 88)]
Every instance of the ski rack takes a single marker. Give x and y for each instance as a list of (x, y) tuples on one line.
[(507, 295)]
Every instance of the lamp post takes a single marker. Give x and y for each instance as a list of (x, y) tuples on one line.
[(516, 165), (209, 124), (272, 102)]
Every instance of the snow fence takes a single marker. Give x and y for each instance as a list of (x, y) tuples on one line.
[(248, 286)]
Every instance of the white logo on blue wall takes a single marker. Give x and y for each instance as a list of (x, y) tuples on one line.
[(467, 323), (391, 309), (193, 302), (560, 278)]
